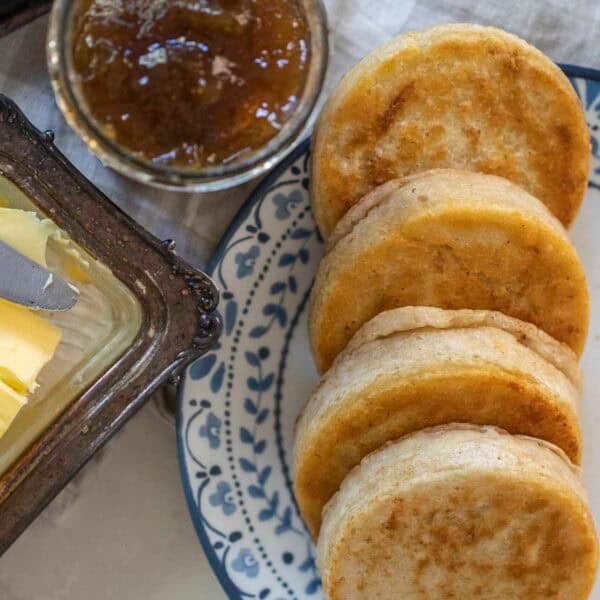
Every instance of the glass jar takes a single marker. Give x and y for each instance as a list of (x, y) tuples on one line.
[(202, 179)]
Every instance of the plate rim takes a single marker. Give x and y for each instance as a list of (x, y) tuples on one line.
[(245, 209), (570, 70)]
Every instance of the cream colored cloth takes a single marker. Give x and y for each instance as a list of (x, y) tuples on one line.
[(121, 530)]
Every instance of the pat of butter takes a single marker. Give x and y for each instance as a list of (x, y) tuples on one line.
[(10, 404), (26, 233), (27, 340), (27, 343)]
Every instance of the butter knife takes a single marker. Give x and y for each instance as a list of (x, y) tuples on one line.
[(25, 282)]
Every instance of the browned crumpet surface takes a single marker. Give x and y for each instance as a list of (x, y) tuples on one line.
[(412, 379), (460, 96), (449, 239), (458, 513)]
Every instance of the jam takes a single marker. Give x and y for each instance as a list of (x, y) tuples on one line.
[(191, 83)]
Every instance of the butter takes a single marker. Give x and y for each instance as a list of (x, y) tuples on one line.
[(10, 404), (76, 267), (27, 343), (26, 233)]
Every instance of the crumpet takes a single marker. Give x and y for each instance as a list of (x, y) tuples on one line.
[(454, 96), (460, 512), (448, 239), (416, 367)]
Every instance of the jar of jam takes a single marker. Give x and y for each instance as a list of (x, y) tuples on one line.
[(188, 94)]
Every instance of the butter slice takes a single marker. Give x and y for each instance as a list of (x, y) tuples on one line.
[(26, 233), (10, 404), (27, 343), (27, 340)]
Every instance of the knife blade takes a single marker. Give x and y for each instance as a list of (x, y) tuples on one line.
[(25, 282)]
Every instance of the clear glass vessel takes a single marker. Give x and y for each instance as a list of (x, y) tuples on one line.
[(65, 83)]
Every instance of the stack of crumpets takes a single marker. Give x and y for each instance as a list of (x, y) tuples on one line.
[(438, 457)]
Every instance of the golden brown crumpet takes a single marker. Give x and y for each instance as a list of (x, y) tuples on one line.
[(416, 367), (460, 512), (450, 239), (459, 96)]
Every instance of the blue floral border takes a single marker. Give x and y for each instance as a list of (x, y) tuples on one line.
[(245, 262), (233, 593)]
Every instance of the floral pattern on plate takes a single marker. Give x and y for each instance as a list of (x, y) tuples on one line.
[(238, 404)]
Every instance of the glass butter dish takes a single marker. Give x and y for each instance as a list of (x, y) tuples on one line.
[(142, 316)]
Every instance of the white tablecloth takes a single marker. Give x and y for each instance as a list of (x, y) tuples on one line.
[(121, 530)]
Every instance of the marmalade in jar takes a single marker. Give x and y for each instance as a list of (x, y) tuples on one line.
[(191, 83)]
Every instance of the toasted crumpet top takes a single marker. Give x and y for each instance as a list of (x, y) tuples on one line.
[(460, 512), (448, 239), (460, 96)]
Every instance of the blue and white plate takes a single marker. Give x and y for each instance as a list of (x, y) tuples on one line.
[(238, 404)]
